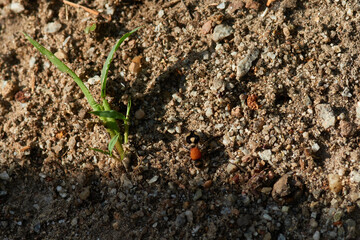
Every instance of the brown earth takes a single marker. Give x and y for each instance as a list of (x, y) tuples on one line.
[(272, 91)]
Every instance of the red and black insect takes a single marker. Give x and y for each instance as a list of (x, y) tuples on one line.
[(195, 153)]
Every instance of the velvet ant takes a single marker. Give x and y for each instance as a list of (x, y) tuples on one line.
[(195, 154)]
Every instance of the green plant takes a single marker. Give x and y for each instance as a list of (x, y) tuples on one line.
[(107, 116), (90, 28)]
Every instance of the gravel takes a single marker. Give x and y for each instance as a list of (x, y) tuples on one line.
[(222, 31)]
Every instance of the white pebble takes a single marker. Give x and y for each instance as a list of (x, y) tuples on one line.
[(52, 27), (221, 5), (93, 80), (153, 179), (161, 13), (17, 7), (209, 112), (315, 147), (355, 176), (267, 217), (265, 155), (316, 235), (326, 115)]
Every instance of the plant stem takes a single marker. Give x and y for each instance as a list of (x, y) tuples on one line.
[(118, 144), (126, 130)]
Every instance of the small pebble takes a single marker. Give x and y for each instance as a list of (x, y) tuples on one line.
[(4, 176), (52, 27), (153, 179), (74, 221), (207, 184), (37, 228), (135, 65), (244, 65), (180, 220), (221, 6), (267, 217), (93, 80), (116, 225), (315, 147), (125, 181), (346, 128), (313, 223), (335, 184), (61, 54), (206, 28), (236, 112), (85, 194), (358, 112), (189, 216), (209, 112), (222, 31), (161, 13), (197, 195), (326, 115), (139, 114), (265, 155), (8, 89), (17, 7), (355, 176), (231, 168), (316, 235)]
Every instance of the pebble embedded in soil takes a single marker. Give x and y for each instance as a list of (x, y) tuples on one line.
[(288, 189), (180, 220), (243, 66), (265, 155), (326, 115), (335, 184), (355, 176), (358, 112), (8, 89), (222, 31), (52, 27), (17, 7), (197, 195), (316, 235), (346, 128), (85, 194), (206, 28), (139, 114), (231, 168), (4, 176)]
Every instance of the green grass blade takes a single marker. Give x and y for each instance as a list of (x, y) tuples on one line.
[(101, 151), (109, 114), (128, 109), (112, 143), (106, 66), (62, 67)]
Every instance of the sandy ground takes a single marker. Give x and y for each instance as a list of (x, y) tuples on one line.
[(271, 88)]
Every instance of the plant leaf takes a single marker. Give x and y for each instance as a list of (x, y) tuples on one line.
[(109, 114), (104, 71), (112, 143), (128, 109), (101, 151), (62, 67), (90, 28)]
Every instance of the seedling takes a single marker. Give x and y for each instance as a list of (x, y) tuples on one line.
[(107, 116), (90, 28)]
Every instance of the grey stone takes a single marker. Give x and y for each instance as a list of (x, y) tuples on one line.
[(326, 115), (222, 31), (244, 65)]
